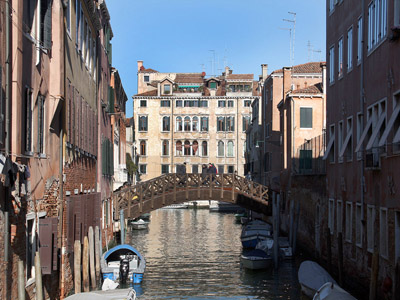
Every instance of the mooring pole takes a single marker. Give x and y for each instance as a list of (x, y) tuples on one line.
[(122, 224)]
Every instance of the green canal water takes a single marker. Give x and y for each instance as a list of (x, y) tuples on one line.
[(195, 254)]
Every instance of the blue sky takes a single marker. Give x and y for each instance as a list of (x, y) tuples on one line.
[(177, 36)]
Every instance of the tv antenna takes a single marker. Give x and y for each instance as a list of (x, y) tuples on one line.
[(290, 44), (294, 33)]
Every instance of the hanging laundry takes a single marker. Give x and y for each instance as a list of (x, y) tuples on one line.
[(10, 171), (2, 162)]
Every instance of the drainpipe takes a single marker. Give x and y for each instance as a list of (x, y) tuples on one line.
[(362, 116), (8, 130)]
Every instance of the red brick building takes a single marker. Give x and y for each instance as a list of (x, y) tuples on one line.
[(363, 135)]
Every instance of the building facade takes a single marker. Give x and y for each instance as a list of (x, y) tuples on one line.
[(363, 133), (185, 120)]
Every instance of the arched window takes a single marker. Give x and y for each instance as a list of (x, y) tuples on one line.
[(230, 124), (230, 149), (221, 124), (165, 147), (178, 148), (165, 124), (143, 148), (186, 151), (204, 124), (178, 123), (195, 148), (221, 149), (204, 148), (187, 124), (195, 124)]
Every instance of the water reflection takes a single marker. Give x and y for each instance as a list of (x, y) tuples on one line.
[(194, 254)]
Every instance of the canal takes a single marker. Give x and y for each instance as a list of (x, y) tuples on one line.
[(195, 254)]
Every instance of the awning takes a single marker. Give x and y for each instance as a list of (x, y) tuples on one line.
[(376, 130), (389, 126), (346, 142), (189, 86), (328, 148), (364, 134), (396, 138)]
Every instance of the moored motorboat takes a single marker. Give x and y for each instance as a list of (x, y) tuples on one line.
[(123, 263), (145, 217), (312, 277), (256, 259), (119, 294), (255, 232), (332, 291), (139, 224)]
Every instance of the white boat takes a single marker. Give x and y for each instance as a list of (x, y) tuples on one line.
[(331, 291), (176, 206), (119, 294), (255, 232), (256, 259), (139, 224), (312, 277), (285, 248)]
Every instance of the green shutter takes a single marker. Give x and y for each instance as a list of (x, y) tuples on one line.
[(46, 22), (110, 99), (305, 117)]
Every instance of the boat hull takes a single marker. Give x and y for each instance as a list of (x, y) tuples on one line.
[(256, 263)]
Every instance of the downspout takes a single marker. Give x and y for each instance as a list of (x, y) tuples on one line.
[(172, 134), (8, 132), (362, 114), (237, 137)]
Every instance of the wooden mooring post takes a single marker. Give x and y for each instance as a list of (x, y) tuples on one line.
[(21, 280), (91, 257), (97, 250), (38, 277), (340, 254), (85, 265), (77, 267)]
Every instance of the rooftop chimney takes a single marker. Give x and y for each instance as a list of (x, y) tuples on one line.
[(139, 64), (227, 71), (323, 66), (287, 81), (264, 71)]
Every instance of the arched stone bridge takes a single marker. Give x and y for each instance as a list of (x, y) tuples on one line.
[(173, 188)]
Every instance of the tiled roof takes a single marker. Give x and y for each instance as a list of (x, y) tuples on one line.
[(149, 93), (240, 76), (255, 86), (311, 67), (189, 78), (148, 71), (312, 89)]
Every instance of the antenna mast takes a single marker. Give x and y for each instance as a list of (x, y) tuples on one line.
[(294, 33)]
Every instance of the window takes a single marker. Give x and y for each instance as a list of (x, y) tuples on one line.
[(164, 169), (340, 57), (349, 221), (195, 148), (221, 150), (78, 23), (339, 216), (230, 123), (165, 103), (231, 103), (230, 152), (331, 5), (231, 169), (383, 232), (212, 85), (143, 148), (165, 148), (187, 148), (370, 227), (397, 13), (359, 39), (178, 103), (331, 214), (178, 148), (195, 124), (166, 123), (350, 49), (203, 103), (340, 136), (358, 225), (221, 169), (41, 127), (167, 88), (247, 103), (330, 152), (245, 123), (68, 16), (306, 117), (195, 169), (397, 236), (29, 122), (142, 169), (305, 161), (332, 64), (204, 148), (187, 124), (146, 78), (377, 23), (143, 123), (204, 124), (179, 124), (221, 103), (220, 123), (143, 103)]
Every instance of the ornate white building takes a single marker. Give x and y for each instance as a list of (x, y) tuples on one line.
[(193, 119)]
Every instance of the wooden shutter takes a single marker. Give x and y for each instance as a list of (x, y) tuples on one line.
[(70, 224), (46, 240), (1, 108), (46, 25)]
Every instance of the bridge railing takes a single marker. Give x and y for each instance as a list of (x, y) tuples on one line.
[(185, 183)]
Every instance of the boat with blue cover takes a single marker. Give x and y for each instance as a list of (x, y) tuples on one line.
[(255, 232), (123, 263)]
